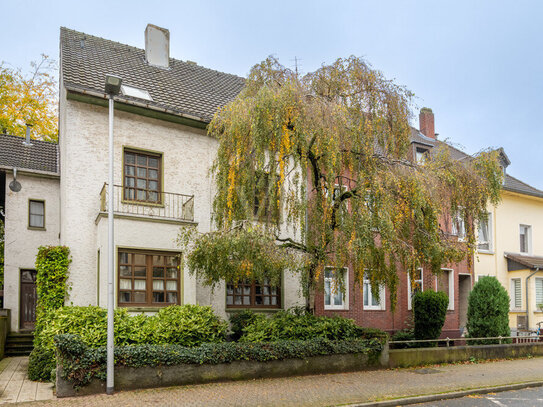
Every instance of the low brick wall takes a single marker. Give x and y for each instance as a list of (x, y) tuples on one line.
[(127, 378), (424, 356)]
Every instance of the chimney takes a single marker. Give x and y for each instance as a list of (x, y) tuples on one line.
[(157, 46), (27, 141), (426, 122)]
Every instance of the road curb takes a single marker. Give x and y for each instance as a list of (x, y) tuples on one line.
[(445, 396)]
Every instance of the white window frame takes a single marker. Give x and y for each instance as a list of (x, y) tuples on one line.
[(421, 155), (528, 238), (333, 287), (409, 294), (382, 299), (490, 236), (535, 293), (512, 294), (450, 272), (458, 227)]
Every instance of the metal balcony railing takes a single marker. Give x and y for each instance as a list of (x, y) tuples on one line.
[(157, 205)]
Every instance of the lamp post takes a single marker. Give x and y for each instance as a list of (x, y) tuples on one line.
[(112, 88)]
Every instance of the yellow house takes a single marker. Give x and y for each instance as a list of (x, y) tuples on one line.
[(511, 248)]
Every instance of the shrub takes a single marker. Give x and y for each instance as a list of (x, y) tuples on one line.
[(187, 325), (239, 321), (429, 310), (292, 324), (488, 310), (52, 273), (404, 335), (81, 363)]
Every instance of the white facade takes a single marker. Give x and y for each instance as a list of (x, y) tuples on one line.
[(22, 241)]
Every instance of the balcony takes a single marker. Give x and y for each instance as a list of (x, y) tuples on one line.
[(165, 206)]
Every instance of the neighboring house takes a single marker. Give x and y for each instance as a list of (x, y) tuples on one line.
[(511, 249), (31, 219), (456, 280)]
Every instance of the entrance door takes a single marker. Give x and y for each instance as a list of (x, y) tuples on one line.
[(28, 299), (464, 288)]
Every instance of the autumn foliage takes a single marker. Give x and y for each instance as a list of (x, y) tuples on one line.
[(326, 156)]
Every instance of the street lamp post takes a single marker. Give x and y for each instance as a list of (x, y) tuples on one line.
[(112, 88)]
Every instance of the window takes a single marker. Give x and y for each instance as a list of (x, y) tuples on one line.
[(458, 227), (539, 293), (335, 296), (485, 234), (525, 238), (252, 294), (516, 294), (445, 283), (421, 155), (36, 214), (370, 301), (148, 279), (415, 287), (142, 177)]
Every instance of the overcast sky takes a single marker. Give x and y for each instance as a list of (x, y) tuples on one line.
[(477, 64)]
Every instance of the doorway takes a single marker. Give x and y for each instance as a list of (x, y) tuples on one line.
[(28, 300), (464, 288)]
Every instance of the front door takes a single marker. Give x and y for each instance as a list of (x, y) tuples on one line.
[(28, 299)]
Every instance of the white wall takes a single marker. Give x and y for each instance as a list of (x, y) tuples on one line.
[(22, 243)]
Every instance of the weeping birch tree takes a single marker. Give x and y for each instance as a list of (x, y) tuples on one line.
[(327, 154)]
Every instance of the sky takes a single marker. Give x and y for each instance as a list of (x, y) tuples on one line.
[(477, 64)]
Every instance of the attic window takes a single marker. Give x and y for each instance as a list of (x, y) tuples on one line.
[(136, 93), (421, 155)]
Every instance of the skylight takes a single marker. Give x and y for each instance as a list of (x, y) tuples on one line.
[(136, 93)]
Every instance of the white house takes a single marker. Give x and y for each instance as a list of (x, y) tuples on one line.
[(162, 180)]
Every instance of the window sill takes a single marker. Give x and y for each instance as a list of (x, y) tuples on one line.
[(37, 228), (373, 309), (141, 309), (256, 309), (335, 309), (485, 251), (519, 311)]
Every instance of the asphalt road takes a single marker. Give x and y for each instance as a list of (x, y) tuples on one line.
[(531, 397)]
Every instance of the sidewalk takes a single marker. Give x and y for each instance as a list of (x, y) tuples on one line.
[(325, 390), (14, 383)]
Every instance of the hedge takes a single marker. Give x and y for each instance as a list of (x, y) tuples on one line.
[(430, 310), (296, 324), (187, 325), (80, 363)]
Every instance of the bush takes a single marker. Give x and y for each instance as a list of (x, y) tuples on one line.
[(488, 311), (404, 335), (187, 325), (81, 363), (239, 321), (296, 325), (429, 310)]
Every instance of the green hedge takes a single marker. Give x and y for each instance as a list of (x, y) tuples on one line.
[(187, 325), (296, 324), (80, 363)]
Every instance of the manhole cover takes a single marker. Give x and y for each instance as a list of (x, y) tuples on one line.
[(426, 371)]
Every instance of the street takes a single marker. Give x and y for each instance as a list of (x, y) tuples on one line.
[(517, 398)]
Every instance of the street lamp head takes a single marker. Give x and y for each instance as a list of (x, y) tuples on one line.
[(113, 85)]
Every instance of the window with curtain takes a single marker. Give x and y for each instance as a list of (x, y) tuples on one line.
[(485, 234), (142, 177), (335, 296), (516, 293), (252, 294), (371, 302), (36, 214), (539, 292)]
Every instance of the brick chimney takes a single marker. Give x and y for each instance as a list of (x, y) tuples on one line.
[(426, 122)]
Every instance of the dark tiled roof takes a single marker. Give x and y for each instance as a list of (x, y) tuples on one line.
[(40, 156), (532, 262), (511, 183), (184, 88)]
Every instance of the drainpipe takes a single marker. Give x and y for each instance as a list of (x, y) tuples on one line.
[(527, 299)]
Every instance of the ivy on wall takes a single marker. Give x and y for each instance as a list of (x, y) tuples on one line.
[(51, 285)]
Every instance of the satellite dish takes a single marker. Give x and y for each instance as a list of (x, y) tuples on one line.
[(15, 185)]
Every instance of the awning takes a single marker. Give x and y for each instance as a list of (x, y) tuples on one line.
[(522, 262)]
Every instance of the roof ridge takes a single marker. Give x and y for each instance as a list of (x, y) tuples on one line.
[(143, 50)]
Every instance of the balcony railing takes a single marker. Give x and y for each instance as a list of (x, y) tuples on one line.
[(167, 205)]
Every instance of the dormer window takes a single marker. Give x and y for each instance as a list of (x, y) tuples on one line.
[(421, 155)]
